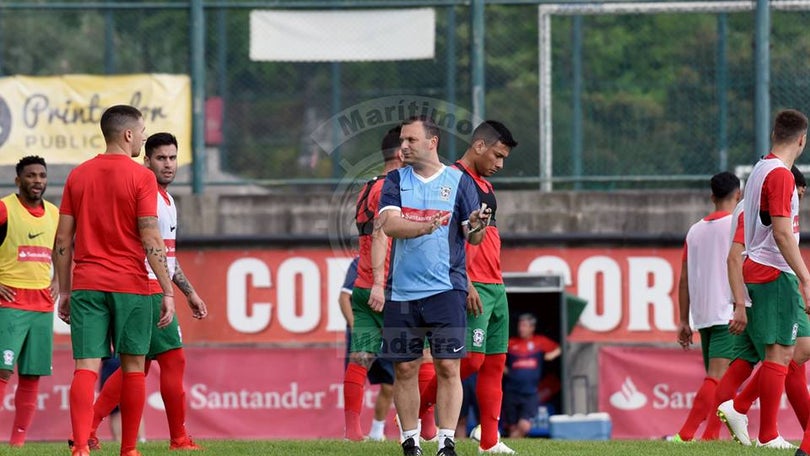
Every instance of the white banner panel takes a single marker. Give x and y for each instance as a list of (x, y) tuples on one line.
[(334, 36)]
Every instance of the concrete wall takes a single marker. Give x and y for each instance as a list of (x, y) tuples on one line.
[(519, 212)]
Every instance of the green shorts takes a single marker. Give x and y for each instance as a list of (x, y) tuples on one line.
[(744, 346), (716, 342), (777, 311), (489, 332), (163, 339), (26, 340), (367, 330), (100, 318)]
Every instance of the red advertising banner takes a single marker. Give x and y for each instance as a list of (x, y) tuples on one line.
[(234, 393), (290, 296), (648, 392)]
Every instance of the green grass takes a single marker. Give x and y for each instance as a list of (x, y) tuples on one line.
[(465, 448)]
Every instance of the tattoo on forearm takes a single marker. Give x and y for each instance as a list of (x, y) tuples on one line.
[(182, 282)]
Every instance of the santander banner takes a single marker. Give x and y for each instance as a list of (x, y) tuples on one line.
[(290, 296), (230, 393), (649, 391)]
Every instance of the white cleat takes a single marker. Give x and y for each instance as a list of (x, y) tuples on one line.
[(778, 443), (736, 422), (375, 439), (498, 448)]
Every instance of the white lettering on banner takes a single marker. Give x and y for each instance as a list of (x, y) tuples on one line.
[(60, 393), (243, 316), (336, 273), (203, 398), (590, 272), (310, 291), (651, 280), (664, 399), (552, 264)]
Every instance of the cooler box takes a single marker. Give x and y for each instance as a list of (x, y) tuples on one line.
[(593, 426)]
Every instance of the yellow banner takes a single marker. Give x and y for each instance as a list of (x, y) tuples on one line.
[(58, 117)]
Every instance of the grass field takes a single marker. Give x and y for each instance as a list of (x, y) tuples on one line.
[(465, 448)]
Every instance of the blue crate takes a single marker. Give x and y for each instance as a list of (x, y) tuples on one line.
[(593, 426)]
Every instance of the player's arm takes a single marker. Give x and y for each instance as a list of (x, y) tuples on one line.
[(395, 226), (553, 354), (734, 264), (156, 256), (684, 331), (476, 223), (198, 308), (786, 241), (345, 303), (62, 258), (379, 250)]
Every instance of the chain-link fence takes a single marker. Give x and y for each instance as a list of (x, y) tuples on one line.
[(638, 100)]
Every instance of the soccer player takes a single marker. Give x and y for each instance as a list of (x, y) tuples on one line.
[(732, 409), (524, 364), (430, 210), (775, 275), (27, 228), (487, 308), (381, 371), (703, 294), (110, 205), (167, 345), (368, 297)]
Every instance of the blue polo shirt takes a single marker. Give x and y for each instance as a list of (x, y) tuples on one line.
[(433, 263)]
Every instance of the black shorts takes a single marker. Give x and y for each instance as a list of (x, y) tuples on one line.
[(518, 406), (441, 319)]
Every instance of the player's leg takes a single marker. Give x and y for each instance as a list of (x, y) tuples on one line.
[(403, 339), (133, 334), (796, 380), (90, 319), (12, 340), (36, 359), (746, 355), (777, 309), (489, 388), (365, 342), (427, 386), (445, 314), (381, 373)]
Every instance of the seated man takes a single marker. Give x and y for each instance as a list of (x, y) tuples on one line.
[(524, 371)]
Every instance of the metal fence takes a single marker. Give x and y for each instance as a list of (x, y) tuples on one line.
[(638, 99)]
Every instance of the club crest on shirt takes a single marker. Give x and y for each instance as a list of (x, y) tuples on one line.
[(8, 357), (444, 192)]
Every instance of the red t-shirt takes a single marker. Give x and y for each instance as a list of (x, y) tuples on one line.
[(367, 205), (106, 195), (739, 234), (484, 259), (775, 199), (27, 299)]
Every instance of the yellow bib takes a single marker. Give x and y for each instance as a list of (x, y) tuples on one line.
[(25, 254)]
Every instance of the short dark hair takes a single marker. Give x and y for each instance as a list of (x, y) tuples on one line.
[(724, 184), (390, 143), (116, 118), (798, 177), (788, 125), (431, 129), (528, 317), (29, 160), (158, 140), (492, 131)]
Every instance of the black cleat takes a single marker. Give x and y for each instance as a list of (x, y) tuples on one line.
[(409, 448), (800, 452), (449, 448)]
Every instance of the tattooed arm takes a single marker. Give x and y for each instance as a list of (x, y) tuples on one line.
[(156, 256), (62, 257), (198, 307)]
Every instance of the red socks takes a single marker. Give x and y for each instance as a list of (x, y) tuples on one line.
[(172, 368), (427, 375), (133, 398), (702, 405), (469, 365), (746, 397), (82, 390), (771, 385), (107, 399), (796, 390), (25, 403), (354, 382), (738, 371), (489, 392)]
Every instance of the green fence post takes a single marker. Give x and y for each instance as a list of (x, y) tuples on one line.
[(197, 45), (762, 77), (477, 59)]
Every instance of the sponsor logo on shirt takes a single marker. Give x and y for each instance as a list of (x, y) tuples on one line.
[(34, 253)]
